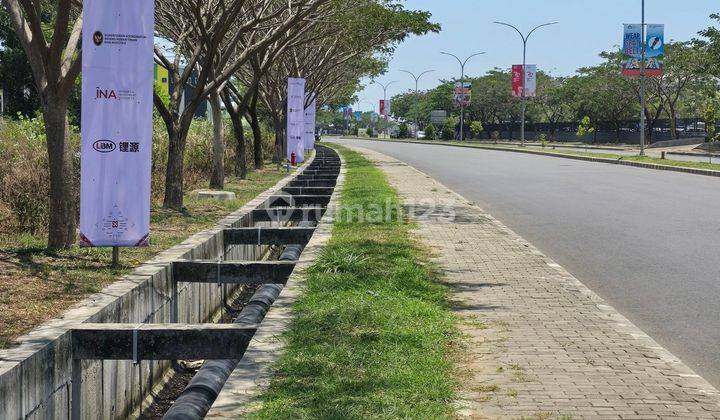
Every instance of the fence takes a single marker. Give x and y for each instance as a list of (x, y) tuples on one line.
[(605, 132)]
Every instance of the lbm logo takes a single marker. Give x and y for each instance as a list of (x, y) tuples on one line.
[(105, 93)]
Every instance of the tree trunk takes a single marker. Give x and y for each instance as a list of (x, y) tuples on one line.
[(63, 206), (279, 139), (673, 121), (217, 178), (257, 134), (174, 173), (240, 152)]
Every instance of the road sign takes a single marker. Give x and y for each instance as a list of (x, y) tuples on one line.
[(438, 117)]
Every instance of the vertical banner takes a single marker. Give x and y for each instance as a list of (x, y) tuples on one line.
[(310, 112), (358, 116), (463, 92), (654, 50), (296, 119), (530, 80), (632, 49), (383, 111), (517, 80), (530, 85), (117, 108), (347, 113)]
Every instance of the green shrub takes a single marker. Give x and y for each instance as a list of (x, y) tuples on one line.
[(403, 132), (543, 140), (24, 174), (476, 127), (430, 132)]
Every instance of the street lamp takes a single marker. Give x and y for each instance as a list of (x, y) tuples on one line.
[(525, 40), (385, 87), (462, 86), (417, 78)]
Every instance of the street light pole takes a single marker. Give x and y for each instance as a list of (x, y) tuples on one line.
[(642, 82), (462, 86), (522, 96), (417, 78), (385, 87)]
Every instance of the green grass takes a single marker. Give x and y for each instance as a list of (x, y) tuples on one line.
[(373, 333), (603, 155), (37, 284)]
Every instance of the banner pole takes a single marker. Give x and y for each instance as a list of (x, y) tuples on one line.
[(115, 256)]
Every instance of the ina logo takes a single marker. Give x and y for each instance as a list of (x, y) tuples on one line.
[(98, 38), (105, 93)]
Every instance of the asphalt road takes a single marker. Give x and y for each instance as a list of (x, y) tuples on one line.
[(647, 241)]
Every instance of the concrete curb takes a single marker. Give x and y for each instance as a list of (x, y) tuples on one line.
[(694, 171)]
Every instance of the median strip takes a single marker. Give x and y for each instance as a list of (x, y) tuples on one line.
[(373, 333)]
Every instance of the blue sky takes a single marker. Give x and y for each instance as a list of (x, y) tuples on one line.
[(586, 28)]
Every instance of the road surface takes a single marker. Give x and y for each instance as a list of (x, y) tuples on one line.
[(647, 241)]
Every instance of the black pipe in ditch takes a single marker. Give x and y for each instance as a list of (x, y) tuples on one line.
[(204, 388)]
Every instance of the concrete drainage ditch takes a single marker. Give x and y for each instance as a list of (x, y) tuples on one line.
[(142, 344)]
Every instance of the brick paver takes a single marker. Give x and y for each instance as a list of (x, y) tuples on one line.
[(539, 343)]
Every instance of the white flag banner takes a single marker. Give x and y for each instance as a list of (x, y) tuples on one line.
[(530, 80), (117, 101), (310, 125), (296, 119)]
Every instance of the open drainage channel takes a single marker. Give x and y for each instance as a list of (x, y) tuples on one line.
[(296, 211)]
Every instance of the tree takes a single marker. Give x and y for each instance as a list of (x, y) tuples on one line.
[(602, 93), (16, 78), (553, 101), (492, 101), (712, 42), (207, 52), (686, 68), (50, 36)]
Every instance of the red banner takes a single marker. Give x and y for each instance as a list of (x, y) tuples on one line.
[(517, 80), (382, 108)]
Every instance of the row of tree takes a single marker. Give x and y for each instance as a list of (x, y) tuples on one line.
[(238, 53), (688, 87)]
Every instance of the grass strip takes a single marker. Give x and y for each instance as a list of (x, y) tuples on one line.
[(549, 150), (37, 284), (373, 331)]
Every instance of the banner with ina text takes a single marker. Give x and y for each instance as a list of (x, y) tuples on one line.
[(117, 109)]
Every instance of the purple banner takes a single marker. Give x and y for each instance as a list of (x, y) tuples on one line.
[(117, 101)]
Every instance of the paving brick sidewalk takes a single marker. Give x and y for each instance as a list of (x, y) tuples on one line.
[(540, 344)]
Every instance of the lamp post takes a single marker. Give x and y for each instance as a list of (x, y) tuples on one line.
[(462, 86), (525, 40), (417, 78), (385, 87)]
